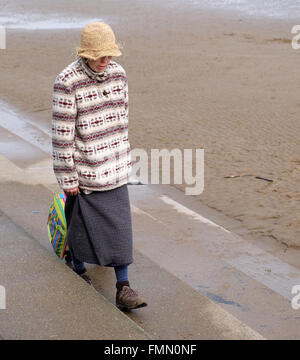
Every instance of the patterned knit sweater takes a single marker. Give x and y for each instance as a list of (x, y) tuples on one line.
[(90, 127)]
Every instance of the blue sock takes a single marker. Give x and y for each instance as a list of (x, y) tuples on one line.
[(121, 273), (78, 265)]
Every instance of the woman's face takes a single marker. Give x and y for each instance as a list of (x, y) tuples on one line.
[(99, 64)]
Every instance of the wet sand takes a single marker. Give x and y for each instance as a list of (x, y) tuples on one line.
[(197, 79)]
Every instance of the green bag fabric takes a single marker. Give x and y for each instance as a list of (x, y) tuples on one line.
[(57, 226)]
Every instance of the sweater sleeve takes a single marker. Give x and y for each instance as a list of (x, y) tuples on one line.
[(126, 106), (64, 114), (126, 100)]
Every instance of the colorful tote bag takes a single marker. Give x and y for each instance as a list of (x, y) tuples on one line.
[(57, 226)]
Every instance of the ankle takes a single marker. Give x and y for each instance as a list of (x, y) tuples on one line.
[(80, 272), (120, 284)]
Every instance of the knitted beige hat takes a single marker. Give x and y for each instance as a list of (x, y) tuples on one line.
[(97, 40)]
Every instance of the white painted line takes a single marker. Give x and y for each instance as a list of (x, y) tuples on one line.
[(12, 110), (239, 253), (26, 130), (142, 212), (184, 210), (134, 181)]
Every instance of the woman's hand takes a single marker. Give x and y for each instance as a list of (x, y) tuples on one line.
[(72, 192)]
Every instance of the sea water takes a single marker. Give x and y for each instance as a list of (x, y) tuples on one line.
[(43, 22), (277, 9)]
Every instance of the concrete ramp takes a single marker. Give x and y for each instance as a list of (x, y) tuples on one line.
[(47, 300)]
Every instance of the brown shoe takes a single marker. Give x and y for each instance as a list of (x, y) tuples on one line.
[(86, 278), (127, 298)]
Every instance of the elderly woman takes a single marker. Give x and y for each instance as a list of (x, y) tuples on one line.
[(91, 158)]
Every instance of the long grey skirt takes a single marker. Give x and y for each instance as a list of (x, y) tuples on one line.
[(99, 227)]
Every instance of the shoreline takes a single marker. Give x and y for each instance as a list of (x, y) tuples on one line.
[(196, 80), (265, 13)]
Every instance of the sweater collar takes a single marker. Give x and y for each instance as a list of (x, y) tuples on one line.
[(100, 76)]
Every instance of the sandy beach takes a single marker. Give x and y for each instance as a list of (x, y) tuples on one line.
[(197, 78)]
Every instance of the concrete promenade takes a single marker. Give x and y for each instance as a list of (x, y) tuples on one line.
[(45, 299)]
